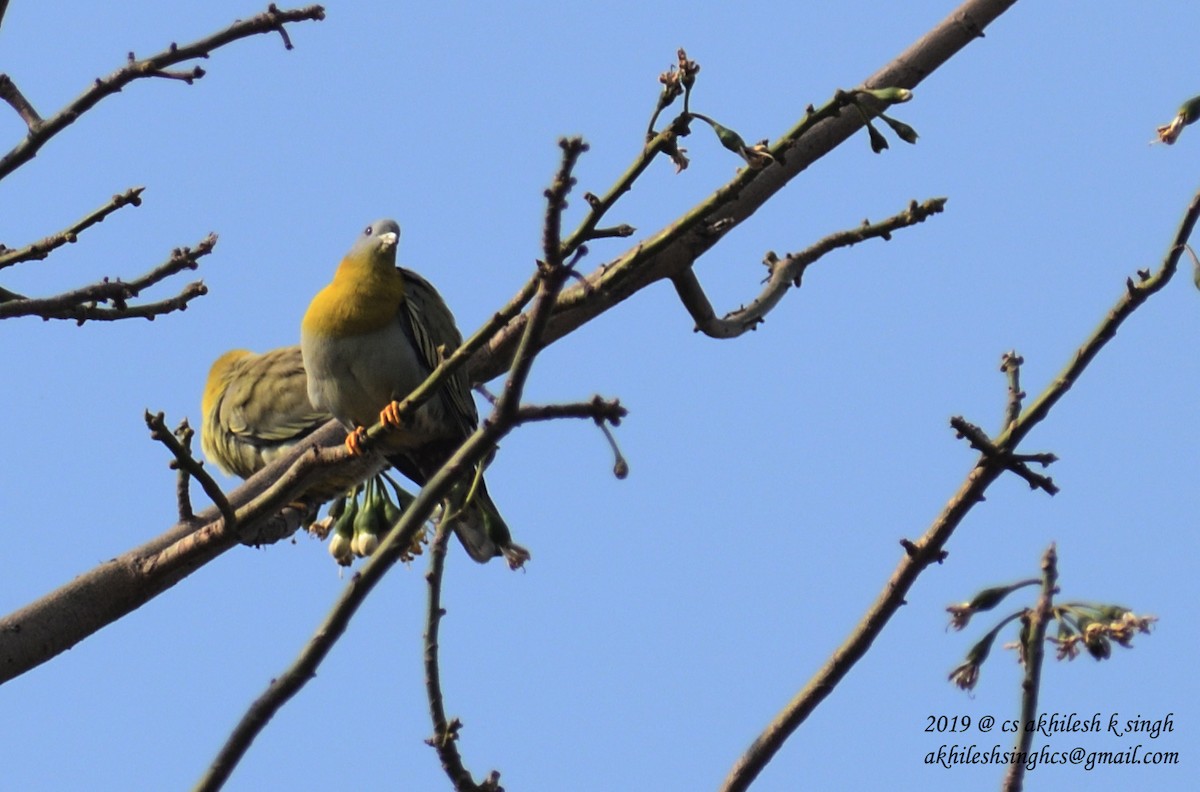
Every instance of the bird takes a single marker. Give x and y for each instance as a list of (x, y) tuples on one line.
[(256, 407), (370, 337)]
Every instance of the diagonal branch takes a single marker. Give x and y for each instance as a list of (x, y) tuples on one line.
[(43, 247), (10, 93), (185, 462), (60, 619), (154, 66), (929, 548), (476, 447), (679, 245), (1009, 461), (480, 444), (552, 275), (82, 304), (787, 272)]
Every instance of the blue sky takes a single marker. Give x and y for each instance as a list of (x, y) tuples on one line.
[(664, 618)]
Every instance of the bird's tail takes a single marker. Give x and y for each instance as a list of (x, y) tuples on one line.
[(478, 524)]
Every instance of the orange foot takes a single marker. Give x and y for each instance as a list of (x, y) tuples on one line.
[(390, 416), (355, 440)]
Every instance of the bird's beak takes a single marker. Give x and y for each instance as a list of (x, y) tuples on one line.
[(388, 240)]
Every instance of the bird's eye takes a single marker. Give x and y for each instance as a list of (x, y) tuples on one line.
[(369, 231)]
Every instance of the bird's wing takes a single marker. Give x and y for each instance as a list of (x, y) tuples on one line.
[(433, 326), (281, 414)]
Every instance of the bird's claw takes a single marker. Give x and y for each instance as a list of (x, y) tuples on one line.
[(390, 416), (356, 440)]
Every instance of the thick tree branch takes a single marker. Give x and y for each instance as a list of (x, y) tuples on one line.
[(677, 246), (787, 272), (929, 548), (476, 447), (59, 620), (154, 66), (481, 443), (43, 247)]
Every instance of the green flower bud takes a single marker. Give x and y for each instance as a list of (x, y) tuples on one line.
[(729, 139), (878, 141), (902, 130), (1190, 110), (367, 525), (889, 95)]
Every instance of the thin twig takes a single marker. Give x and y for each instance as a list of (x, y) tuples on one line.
[(480, 444), (43, 247), (1014, 462), (184, 461), (1032, 653), (445, 733), (928, 549), (154, 66), (598, 409), (1010, 364), (61, 618), (10, 93), (475, 448), (671, 250), (600, 205), (552, 274), (183, 482), (787, 272), (82, 304)]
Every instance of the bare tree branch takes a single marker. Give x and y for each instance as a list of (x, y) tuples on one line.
[(57, 621), (42, 248), (787, 272), (550, 277), (154, 66), (677, 247), (186, 463), (62, 618), (183, 480), (82, 304), (10, 93), (929, 548), (445, 732), (1032, 653), (1010, 364), (1014, 462)]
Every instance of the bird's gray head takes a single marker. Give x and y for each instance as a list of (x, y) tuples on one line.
[(377, 241)]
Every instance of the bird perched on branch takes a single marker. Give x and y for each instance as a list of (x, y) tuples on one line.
[(368, 339), (255, 408)]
